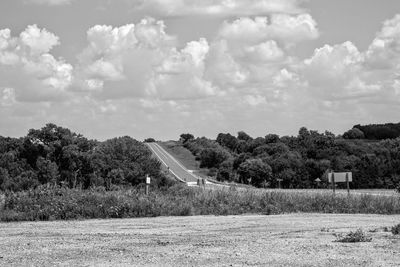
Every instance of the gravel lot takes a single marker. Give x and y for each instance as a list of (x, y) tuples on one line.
[(248, 240)]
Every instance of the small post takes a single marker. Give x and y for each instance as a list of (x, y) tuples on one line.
[(333, 183), (348, 184), (280, 183), (147, 184)]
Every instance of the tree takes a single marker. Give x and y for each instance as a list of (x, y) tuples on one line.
[(354, 133), (255, 172), (244, 136), (271, 138), (212, 157), (227, 140), (225, 171), (124, 160), (47, 171), (186, 137)]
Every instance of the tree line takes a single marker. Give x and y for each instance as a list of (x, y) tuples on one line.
[(56, 155), (297, 160), (374, 131)]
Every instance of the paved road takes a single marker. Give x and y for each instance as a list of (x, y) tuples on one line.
[(175, 167)]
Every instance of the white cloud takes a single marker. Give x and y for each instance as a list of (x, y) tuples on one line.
[(331, 68), (38, 41), (282, 27), (268, 51), (142, 60), (249, 52), (384, 52), (27, 66), (217, 7)]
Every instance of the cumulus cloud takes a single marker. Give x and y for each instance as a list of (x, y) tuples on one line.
[(250, 52), (331, 68), (384, 52), (142, 60), (27, 67)]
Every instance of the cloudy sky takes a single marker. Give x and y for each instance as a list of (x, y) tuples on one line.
[(158, 68)]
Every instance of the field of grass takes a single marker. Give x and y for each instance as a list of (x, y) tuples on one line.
[(250, 240), (184, 156), (64, 204)]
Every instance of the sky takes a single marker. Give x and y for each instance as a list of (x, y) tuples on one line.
[(160, 68)]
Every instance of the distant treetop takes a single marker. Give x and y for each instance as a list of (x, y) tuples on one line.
[(374, 131)]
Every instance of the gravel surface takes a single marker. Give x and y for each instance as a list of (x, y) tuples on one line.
[(248, 240)]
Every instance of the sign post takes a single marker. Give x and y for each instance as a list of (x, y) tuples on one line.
[(279, 183), (340, 177), (147, 184), (318, 181)]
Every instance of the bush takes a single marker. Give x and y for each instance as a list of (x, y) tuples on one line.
[(396, 229), (352, 237)]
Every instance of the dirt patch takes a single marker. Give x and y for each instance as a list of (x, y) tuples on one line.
[(282, 240)]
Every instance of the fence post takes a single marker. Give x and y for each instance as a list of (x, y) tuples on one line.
[(333, 182)]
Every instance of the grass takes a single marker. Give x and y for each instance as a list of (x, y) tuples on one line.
[(183, 155), (46, 203)]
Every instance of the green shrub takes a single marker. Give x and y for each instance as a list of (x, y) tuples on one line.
[(396, 229), (352, 237)]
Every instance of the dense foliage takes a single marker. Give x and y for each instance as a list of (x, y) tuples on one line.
[(299, 160), (374, 131), (56, 155)]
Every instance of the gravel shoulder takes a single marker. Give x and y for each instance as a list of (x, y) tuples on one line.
[(247, 240)]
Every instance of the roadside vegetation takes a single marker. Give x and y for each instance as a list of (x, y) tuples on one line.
[(62, 203)]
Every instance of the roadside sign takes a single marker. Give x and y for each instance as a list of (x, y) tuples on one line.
[(147, 179), (340, 177)]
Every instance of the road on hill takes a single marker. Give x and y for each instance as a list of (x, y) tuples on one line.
[(173, 165)]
